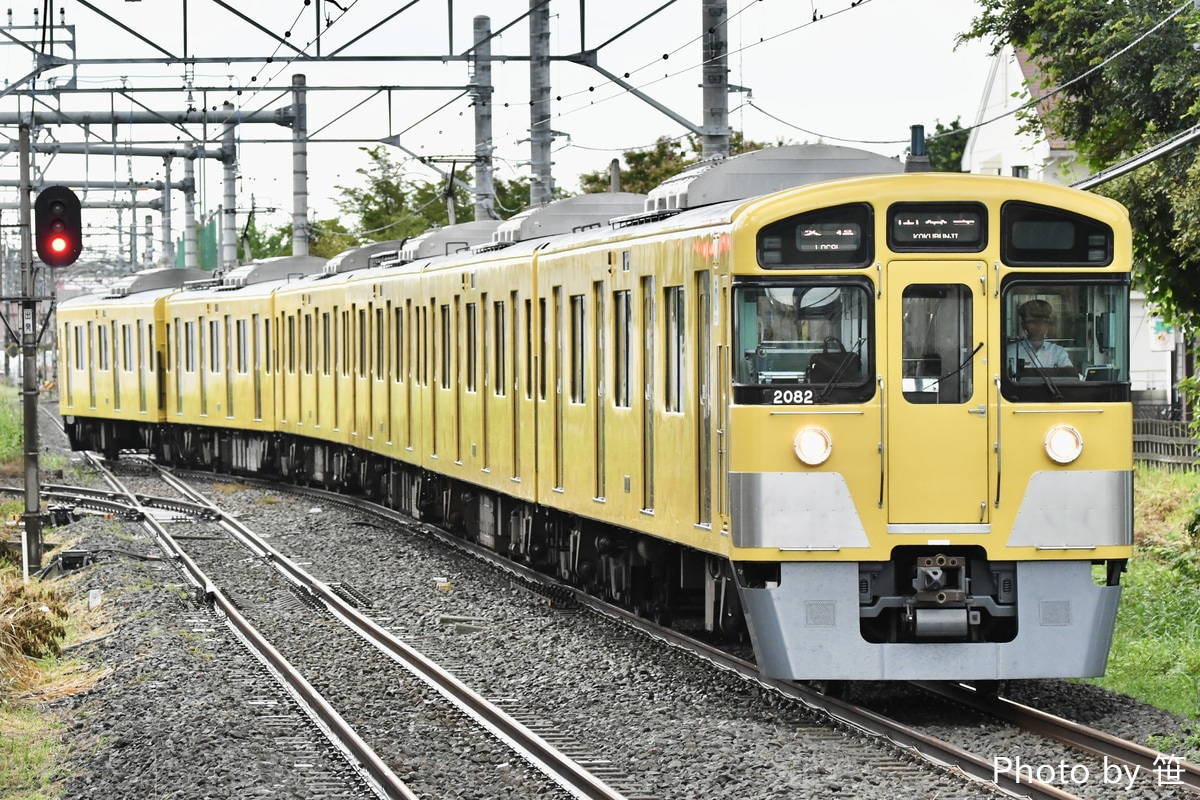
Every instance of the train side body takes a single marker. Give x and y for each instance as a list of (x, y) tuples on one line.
[(112, 354)]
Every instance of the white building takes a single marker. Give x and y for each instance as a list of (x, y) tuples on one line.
[(1001, 148)]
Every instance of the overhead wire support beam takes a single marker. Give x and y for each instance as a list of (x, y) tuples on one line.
[(589, 59), (130, 31), (1140, 160)]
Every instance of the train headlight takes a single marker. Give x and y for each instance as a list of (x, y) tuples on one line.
[(1064, 444), (812, 446)]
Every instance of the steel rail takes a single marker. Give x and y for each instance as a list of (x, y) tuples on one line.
[(533, 748), (931, 749), (1148, 762), (928, 748), (384, 781)]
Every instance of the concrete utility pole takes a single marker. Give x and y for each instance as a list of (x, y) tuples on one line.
[(715, 139), (229, 236), (189, 212), (481, 93), (168, 244), (149, 258), (29, 382), (299, 124), (541, 183)]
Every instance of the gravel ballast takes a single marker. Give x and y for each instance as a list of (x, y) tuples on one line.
[(175, 718)]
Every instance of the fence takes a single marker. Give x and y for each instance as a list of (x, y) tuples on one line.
[(1166, 443)]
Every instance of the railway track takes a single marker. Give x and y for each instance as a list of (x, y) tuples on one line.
[(1134, 760), (341, 736), (908, 741), (1130, 759), (579, 780)]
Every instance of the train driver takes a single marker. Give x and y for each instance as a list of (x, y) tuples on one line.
[(1034, 349)]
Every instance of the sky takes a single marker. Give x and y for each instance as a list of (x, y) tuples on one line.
[(812, 70)]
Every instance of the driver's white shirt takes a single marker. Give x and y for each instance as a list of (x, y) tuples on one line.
[(1049, 355)]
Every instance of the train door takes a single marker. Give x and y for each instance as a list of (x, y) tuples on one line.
[(229, 365), (648, 399), (514, 404), (116, 367), (704, 417), (143, 358), (936, 388), (201, 329), (91, 357)]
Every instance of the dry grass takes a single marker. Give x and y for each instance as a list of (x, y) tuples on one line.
[(1165, 504), (229, 488), (32, 627)]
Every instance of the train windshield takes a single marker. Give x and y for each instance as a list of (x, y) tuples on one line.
[(803, 342), (1065, 341)]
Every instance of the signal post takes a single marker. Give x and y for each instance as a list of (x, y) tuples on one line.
[(58, 230)]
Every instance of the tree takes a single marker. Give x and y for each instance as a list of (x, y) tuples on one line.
[(327, 238), (256, 242), (647, 168), (946, 147), (644, 169), (383, 207), (391, 207), (1123, 90)]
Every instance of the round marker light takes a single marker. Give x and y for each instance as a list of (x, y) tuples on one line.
[(1064, 444), (812, 446)]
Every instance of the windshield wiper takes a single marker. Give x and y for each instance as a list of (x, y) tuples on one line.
[(847, 359), (957, 369), (1045, 376)]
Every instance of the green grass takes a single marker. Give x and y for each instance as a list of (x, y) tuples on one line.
[(1155, 655), (12, 425), (29, 744), (1156, 646)]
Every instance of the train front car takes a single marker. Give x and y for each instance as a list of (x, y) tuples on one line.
[(930, 434)]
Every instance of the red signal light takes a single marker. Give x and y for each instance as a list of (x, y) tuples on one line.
[(58, 226)]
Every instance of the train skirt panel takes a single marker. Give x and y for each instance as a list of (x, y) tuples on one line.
[(808, 626)]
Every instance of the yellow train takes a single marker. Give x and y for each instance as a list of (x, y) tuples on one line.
[(883, 422)]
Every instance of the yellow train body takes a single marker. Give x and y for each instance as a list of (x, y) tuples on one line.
[(807, 411)]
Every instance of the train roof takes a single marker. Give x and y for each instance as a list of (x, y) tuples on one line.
[(155, 279), (581, 212), (448, 240), (269, 269), (364, 256), (765, 171)]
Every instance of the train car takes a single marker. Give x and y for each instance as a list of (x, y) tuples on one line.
[(112, 352), (940, 490), (879, 422), (478, 404), (347, 389), (220, 370), (811, 411)]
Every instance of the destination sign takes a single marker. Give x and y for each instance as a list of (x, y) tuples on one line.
[(828, 236), (936, 228)]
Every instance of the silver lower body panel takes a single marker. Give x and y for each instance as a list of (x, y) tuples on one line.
[(807, 628)]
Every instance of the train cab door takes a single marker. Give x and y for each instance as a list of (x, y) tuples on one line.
[(936, 424)]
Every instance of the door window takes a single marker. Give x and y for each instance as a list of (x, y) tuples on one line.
[(938, 349)]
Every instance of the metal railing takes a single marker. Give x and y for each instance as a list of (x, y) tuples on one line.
[(1167, 443)]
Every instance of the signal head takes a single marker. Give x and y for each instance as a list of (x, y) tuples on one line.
[(58, 226)]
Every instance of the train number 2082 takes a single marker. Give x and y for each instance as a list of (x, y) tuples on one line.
[(803, 397)]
